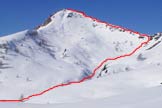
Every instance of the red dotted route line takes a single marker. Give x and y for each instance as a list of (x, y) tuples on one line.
[(94, 71)]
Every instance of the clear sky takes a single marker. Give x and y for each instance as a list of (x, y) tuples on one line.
[(140, 15)]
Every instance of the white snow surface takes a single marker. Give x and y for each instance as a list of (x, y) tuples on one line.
[(68, 48)]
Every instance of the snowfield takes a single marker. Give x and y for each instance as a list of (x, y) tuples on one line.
[(67, 47), (143, 98)]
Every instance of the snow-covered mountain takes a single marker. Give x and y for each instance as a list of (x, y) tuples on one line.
[(67, 47)]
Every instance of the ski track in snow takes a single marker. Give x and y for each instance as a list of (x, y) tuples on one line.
[(94, 71)]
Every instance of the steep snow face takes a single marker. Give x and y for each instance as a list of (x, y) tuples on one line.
[(67, 47), (85, 39)]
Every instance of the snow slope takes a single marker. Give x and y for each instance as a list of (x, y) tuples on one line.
[(67, 47)]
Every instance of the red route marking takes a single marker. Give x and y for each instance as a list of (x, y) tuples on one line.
[(94, 71)]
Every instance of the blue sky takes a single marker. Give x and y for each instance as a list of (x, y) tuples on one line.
[(140, 15)]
